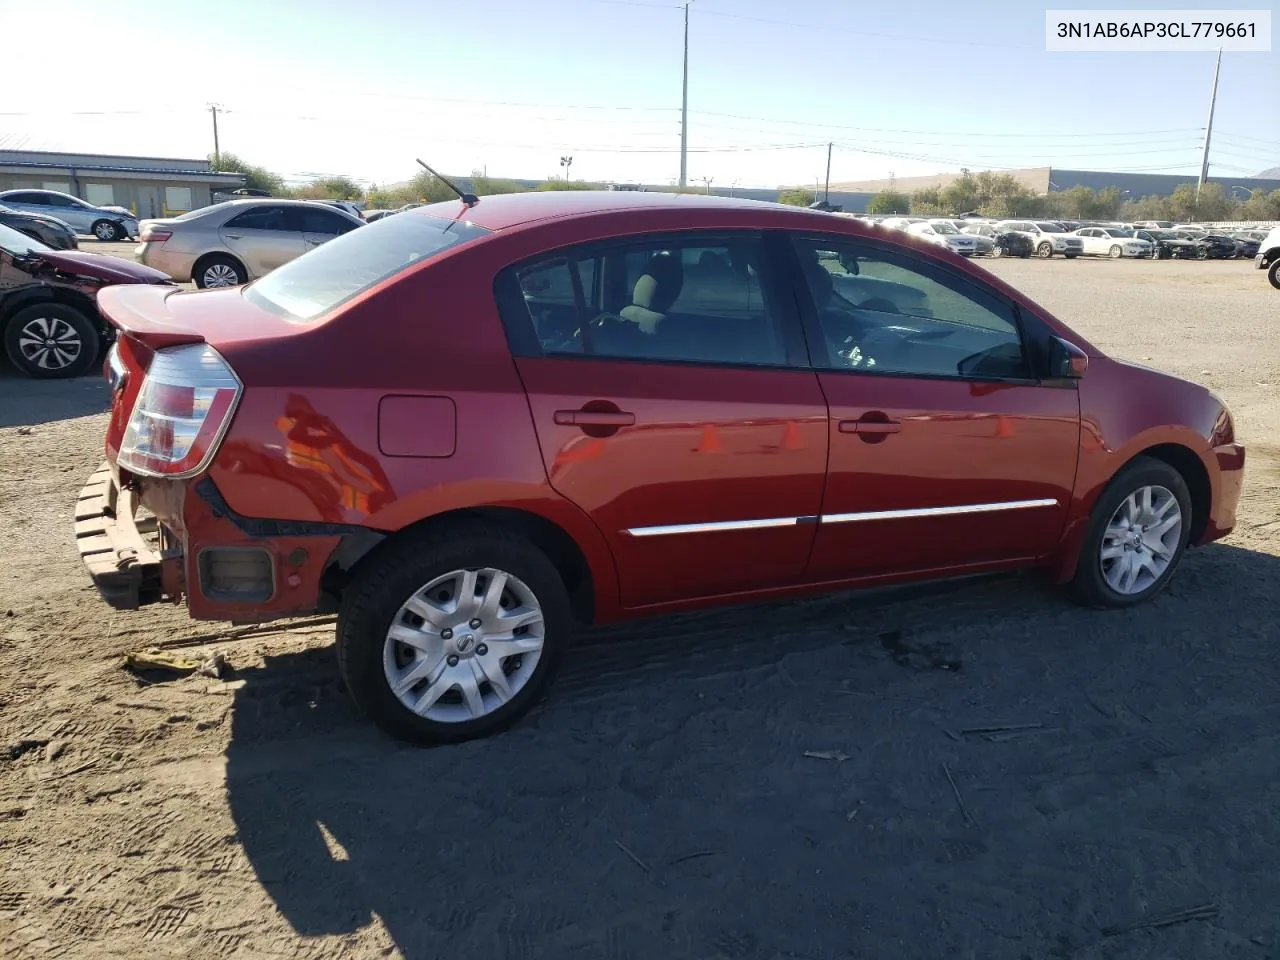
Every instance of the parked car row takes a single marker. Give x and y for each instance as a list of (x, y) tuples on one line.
[(1148, 239)]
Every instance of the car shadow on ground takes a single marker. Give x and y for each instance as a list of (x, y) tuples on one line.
[(25, 402), (808, 780)]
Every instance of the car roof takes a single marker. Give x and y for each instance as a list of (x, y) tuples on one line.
[(509, 210)]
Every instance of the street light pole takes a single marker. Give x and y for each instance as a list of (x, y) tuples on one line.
[(684, 105), (566, 162)]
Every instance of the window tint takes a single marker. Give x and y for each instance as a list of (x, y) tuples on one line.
[(24, 198), (312, 220), (886, 312), (58, 200), (697, 300), (259, 218)]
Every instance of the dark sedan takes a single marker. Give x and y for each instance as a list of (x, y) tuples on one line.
[(1246, 244), (48, 230), (1213, 246), (1165, 244)]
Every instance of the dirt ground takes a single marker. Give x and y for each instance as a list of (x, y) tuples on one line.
[(805, 780)]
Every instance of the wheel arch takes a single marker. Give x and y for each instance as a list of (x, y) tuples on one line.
[(582, 582), (21, 299)]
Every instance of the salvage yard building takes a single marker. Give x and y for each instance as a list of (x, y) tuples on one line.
[(149, 186)]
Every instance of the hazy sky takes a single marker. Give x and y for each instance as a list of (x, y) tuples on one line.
[(905, 88)]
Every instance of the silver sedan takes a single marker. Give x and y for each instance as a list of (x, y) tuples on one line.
[(232, 243)]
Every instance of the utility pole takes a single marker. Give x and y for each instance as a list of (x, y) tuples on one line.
[(706, 181), (826, 197), (1208, 130), (684, 106), (213, 109)]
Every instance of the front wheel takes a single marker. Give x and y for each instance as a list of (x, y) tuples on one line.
[(51, 341), (1045, 250), (997, 251), (447, 638), (1273, 273), (105, 231), (1202, 253), (1138, 532), (1115, 252)]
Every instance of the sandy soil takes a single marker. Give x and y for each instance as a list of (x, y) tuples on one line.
[(763, 783)]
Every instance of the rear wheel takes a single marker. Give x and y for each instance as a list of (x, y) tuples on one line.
[(106, 230), (51, 341), (1273, 272), (1045, 250), (1137, 534), (219, 270), (448, 638)]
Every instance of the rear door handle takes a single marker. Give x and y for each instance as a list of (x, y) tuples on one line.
[(870, 427), (594, 418)]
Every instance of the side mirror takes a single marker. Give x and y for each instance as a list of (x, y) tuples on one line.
[(1069, 361), (850, 263)]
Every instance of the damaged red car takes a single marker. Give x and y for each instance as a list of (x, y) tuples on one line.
[(470, 427)]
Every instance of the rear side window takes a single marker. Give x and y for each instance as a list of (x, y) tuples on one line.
[(331, 274)]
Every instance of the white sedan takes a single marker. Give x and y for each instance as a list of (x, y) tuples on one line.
[(1113, 242), (944, 234)]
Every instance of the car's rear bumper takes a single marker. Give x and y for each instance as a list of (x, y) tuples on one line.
[(227, 567), (128, 570), (174, 263)]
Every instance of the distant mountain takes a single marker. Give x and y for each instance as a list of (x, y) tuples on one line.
[(1271, 174)]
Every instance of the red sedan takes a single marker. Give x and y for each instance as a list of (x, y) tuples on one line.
[(468, 427)]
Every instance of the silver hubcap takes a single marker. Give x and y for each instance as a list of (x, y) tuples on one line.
[(105, 231), (1141, 540), (463, 645), (220, 275), (49, 343)]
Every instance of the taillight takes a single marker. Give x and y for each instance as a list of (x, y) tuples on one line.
[(150, 234), (184, 407)]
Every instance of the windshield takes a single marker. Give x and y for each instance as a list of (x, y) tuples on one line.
[(943, 227), (333, 273), (1116, 232), (1049, 227), (13, 242)]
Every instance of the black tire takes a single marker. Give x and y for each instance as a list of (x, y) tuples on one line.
[(76, 341), (997, 251), (371, 602), (106, 231), (1045, 250), (1115, 253), (1071, 256), (1089, 586), (1273, 273), (215, 265), (1202, 253)]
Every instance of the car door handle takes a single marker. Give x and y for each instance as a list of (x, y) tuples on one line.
[(870, 428), (594, 418), (233, 236)]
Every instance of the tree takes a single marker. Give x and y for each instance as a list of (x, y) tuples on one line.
[(1212, 203), (330, 188), (927, 201), (1261, 206), (961, 195), (889, 201), (797, 196), (484, 186), (257, 178), (555, 183), (1182, 202)]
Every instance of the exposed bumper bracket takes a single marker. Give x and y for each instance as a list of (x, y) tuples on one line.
[(125, 569)]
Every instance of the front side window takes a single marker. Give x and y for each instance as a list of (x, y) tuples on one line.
[(258, 218), (328, 276), (18, 244), (690, 299), (885, 312), (312, 220)]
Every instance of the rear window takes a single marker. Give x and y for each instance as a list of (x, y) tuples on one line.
[(341, 268)]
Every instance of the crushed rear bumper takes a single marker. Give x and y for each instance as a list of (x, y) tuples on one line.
[(128, 571)]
